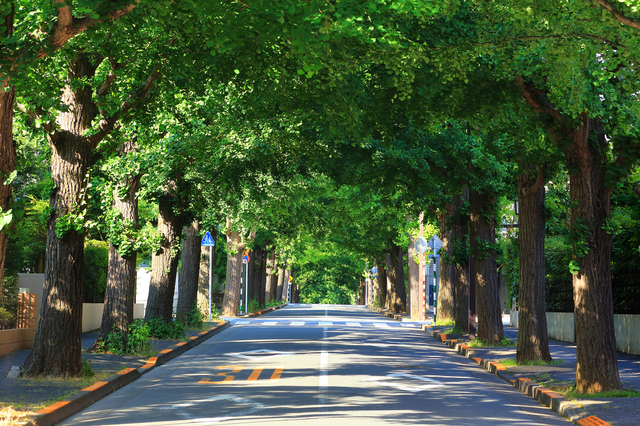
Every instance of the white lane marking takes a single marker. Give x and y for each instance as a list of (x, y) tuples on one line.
[(325, 323), (381, 324), (323, 384), (297, 323), (242, 322), (253, 407), (270, 323), (388, 381), (354, 324), (256, 354), (408, 325)]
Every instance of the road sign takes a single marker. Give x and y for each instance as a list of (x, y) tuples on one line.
[(245, 258), (290, 278), (208, 240), (421, 245), (374, 271), (435, 243)]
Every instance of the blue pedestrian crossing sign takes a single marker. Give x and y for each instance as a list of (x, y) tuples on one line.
[(208, 240)]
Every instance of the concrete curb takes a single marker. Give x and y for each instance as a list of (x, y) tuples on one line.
[(547, 397), (262, 312), (60, 410), (386, 312)]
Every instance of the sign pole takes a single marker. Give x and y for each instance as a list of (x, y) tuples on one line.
[(246, 290), (210, 277)]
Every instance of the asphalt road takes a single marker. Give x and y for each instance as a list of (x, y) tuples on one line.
[(318, 364)]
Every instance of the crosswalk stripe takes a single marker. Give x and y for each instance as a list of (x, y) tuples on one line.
[(354, 324), (381, 324), (242, 322), (297, 323), (325, 323), (408, 325), (270, 323)]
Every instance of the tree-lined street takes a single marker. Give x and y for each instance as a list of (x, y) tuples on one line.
[(316, 364)]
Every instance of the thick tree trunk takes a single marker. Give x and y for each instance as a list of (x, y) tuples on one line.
[(282, 265), (203, 277), (446, 303), (56, 350), (597, 360), (285, 286), (189, 271), (483, 234), (249, 269), (396, 293), (236, 248), (255, 274), (533, 343), (121, 276), (461, 260), (164, 264), (271, 284), (413, 270), (381, 287), (7, 145)]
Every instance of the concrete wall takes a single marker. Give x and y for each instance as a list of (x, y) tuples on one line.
[(560, 326), (91, 312), (19, 338)]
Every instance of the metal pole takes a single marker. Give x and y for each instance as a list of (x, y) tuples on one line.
[(246, 291), (210, 277)]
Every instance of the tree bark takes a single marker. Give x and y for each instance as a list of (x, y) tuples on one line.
[(483, 234), (533, 343), (271, 284), (281, 268), (164, 264), (413, 270), (461, 260), (7, 144), (255, 268), (56, 350), (597, 359), (121, 276), (203, 277), (189, 271), (262, 284), (285, 286), (381, 287), (235, 248), (396, 293), (446, 303)]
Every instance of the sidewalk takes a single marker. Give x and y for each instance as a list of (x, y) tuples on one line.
[(32, 395), (616, 411)]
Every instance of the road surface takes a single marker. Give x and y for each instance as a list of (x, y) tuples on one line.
[(318, 365)]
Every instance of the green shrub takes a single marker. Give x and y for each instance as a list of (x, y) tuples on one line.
[(195, 317), (96, 262), (253, 305), (136, 342), (163, 330)]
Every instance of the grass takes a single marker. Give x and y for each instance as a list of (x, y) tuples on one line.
[(454, 330), (511, 362), (9, 416), (477, 343), (621, 393)]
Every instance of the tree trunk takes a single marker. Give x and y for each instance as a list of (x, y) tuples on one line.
[(164, 264), (122, 273), (281, 269), (446, 303), (461, 260), (263, 275), (235, 250), (189, 271), (7, 145), (396, 293), (271, 284), (203, 277), (597, 360), (413, 270), (533, 344), (56, 350), (483, 234), (285, 286), (381, 287), (255, 268), (249, 268)]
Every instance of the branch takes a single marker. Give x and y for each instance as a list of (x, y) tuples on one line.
[(36, 115), (67, 26), (539, 182), (530, 93), (102, 91), (107, 124), (619, 16)]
